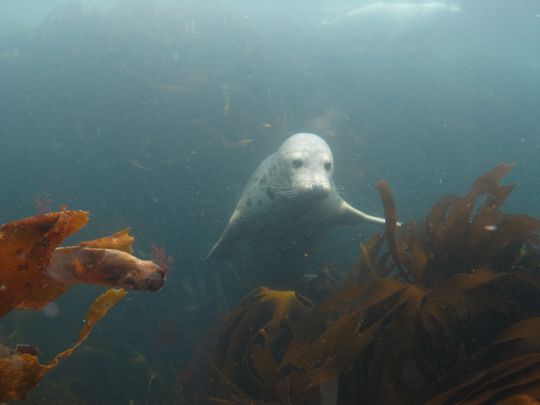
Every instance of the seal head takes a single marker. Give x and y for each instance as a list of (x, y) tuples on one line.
[(310, 165)]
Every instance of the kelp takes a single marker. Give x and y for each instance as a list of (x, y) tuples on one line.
[(120, 240), (21, 371), (34, 271), (447, 308), (26, 248), (506, 368), (250, 347)]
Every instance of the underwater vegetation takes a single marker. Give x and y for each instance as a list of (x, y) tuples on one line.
[(440, 311), (34, 271)]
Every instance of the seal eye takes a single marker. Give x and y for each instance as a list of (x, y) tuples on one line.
[(296, 163), (327, 166)]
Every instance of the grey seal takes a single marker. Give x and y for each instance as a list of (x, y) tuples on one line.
[(291, 195)]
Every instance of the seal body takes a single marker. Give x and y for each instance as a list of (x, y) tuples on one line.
[(289, 200)]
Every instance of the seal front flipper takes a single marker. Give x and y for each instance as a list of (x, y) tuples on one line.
[(223, 248), (350, 215)]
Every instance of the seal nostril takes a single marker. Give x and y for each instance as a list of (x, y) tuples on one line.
[(319, 189)]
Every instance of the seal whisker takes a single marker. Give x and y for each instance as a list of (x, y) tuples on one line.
[(341, 191), (283, 190)]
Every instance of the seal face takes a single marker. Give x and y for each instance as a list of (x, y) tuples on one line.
[(309, 163), (291, 193)]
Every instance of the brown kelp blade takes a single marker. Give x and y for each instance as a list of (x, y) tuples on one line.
[(21, 372), (253, 341), (35, 271), (507, 368), (26, 247), (469, 232), (120, 240), (97, 310)]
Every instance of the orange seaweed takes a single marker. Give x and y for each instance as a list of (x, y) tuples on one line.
[(120, 240), (28, 278), (35, 271), (26, 247), (21, 372)]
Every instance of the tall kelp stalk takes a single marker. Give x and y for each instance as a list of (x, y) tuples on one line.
[(442, 311)]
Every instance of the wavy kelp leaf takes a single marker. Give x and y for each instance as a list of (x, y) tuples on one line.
[(448, 222), (480, 375), (314, 323), (97, 310), (254, 340), (489, 183), (348, 299), (346, 338), (407, 348), (353, 315), (234, 392), (469, 232), (496, 238), (375, 348), (26, 247), (295, 388), (364, 268), (120, 240), (401, 344), (35, 271), (21, 372), (391, 370), (462, 210), (527, 328), (477, 307), (467, 312), (265, 365)]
